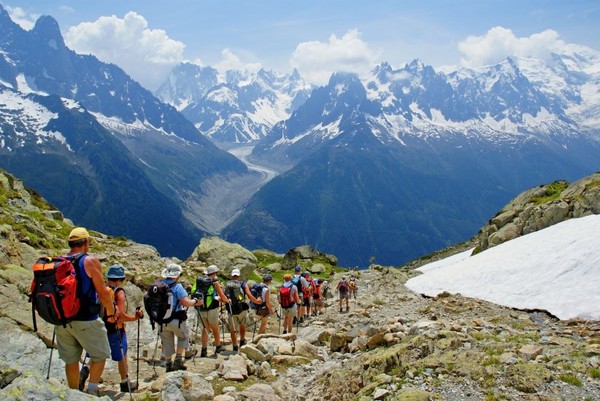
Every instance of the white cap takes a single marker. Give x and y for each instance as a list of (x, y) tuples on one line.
[(235, 272), (172, 271)]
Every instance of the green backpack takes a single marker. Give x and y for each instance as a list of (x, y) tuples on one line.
[(204, 289)]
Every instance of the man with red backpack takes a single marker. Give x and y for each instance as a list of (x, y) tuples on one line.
[(86, 330), (288, 299)]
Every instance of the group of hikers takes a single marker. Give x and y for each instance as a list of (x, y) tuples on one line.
[(98, 327)]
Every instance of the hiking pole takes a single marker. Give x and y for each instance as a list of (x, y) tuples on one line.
[(51, 350), (137, 357), (279, 324)]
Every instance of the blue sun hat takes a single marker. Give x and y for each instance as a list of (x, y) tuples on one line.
[(115, 272)]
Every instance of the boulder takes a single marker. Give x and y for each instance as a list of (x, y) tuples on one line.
[(227, 256)]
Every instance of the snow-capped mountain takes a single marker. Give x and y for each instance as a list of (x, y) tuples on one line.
[(419, 158), (238, 107), (53, 100)]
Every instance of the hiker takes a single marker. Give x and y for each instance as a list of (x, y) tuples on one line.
[(300, 284), (210, 293), (267, 310), (237, 291), (343, 292), (86, 331), (289, 301), (176, 326), (117, 336), (307, 293), (318, 296), (352, 284)]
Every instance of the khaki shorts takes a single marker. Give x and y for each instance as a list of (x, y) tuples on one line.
[(209, 316), (169, 331), (79, 335), (240, 319), (289, 312)]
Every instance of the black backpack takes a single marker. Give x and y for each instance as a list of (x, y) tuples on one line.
[(204, 289), (256, 292), (160, 302), (234, 291)]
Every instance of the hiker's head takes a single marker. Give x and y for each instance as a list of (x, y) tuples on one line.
[(320, 281), (287, 277), (78, 237), (172, 271), (304, 274), (235, 274), (297, 269), (267, 278), (212, 270), (115, 273)]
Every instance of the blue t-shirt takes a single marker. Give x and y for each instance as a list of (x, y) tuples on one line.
[(178, 293)]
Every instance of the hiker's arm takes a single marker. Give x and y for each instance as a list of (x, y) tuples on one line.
[(222, 296), (296, 298), (124, 316), (268, 303), (250, 296), (188, 302), (93, 269)]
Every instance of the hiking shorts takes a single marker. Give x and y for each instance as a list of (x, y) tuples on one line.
[(118, 348), (306, 302), (169, 331), (210, 316), (344, 295), (79, 335), (237, 320), (289, 312)]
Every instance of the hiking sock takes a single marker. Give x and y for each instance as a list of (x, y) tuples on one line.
[(93, 388)]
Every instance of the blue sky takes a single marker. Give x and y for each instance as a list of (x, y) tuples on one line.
[(146, 37)]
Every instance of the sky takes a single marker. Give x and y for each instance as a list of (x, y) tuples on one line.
[(148, 37), (556, 269)]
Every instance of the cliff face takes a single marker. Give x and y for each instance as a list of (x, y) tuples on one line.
[(392, 344), (542, 207)]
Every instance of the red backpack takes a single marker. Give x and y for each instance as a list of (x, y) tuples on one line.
[(285, 297), (55, 289)]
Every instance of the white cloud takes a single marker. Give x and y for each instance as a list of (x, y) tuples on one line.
[(146, 54), (232, 61), (316, 61), (21, 17), (499, 43)]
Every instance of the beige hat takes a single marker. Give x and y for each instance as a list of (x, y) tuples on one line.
[(78, 233), (212, 269), (172, 271), (235, 272)]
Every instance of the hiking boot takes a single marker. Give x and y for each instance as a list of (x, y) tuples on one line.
[(235, 348), (190, 353), (128, 386), (169, 366), (242, 342), (178, 364), (84, 373), (347, 309), (218, 349), (203, 353), (294, 320), (340, 310), (95, 392)]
